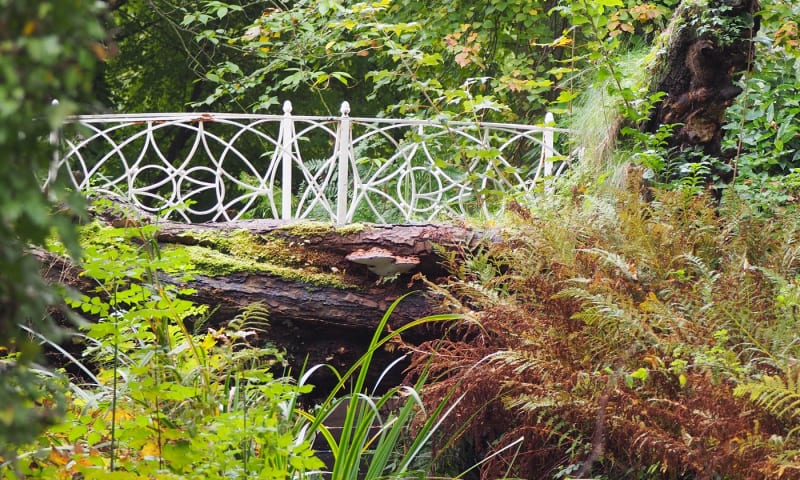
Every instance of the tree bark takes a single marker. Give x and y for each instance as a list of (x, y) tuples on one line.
[(313, 321), (356, 305), (706, 45)]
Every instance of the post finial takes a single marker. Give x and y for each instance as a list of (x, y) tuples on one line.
[(345, 108), (287, 107)]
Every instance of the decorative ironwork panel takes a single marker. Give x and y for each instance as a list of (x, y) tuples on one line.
[(221, 167)]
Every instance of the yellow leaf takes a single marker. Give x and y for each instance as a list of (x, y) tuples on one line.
[(150, 449), (210, 340), (57, 457), (29, 28), (562, 41), (122, 415)]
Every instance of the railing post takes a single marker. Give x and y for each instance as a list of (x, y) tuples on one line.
[(287, 135), (343, 147), (55, 141), (547, 147)]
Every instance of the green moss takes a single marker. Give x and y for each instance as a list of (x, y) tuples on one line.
[(218, 253), (264, 249), (210, 238), (315, 229), (273, 247), (214, 263)]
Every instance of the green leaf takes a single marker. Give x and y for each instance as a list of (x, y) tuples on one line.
[(641, 374), (343, 77), (566, 96), (76, 432), (430, 60)]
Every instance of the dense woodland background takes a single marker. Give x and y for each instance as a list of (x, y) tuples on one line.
[(638, 320)]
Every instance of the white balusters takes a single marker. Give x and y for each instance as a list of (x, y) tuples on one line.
[(548, 148), (344, 149), (286, 139), (403, 172)]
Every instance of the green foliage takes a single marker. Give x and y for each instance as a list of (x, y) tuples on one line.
[(157, 66), (612, 335), (716, 22), (778, 395), (170, 402), (384, 436), (763, 132), (466, 61), (47, 51)]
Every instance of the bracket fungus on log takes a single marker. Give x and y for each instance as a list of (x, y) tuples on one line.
[(382, 262)]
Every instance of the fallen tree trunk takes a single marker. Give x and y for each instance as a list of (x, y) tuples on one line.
[(323, 307), (316, 281)]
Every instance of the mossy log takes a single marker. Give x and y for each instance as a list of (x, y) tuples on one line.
[(707, 44), (323, 308), (301, 271)]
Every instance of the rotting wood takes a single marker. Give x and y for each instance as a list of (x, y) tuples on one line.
[(315, 322), (705, 47)]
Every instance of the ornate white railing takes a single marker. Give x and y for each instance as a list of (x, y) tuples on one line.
[(221, 167)]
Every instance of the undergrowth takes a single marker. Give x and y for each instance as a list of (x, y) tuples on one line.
[(625, 338), (161, 394)]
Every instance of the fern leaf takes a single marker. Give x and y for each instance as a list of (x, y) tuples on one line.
[(778, 396), (254, 317), (626, 268)]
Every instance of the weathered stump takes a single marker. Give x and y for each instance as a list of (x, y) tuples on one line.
[(706, 45)]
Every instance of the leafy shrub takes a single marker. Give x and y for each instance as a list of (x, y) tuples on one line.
[(48, 49), (155, 399), (166, 401)]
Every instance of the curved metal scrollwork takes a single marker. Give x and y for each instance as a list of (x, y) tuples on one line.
[(222, 167)]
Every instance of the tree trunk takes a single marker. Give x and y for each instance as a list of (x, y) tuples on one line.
[(323, 308), (706, 45)]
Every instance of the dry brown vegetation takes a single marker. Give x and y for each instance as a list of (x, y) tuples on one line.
[(626, 339)]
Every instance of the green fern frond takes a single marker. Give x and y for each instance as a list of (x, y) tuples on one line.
[(777, 395), (707, 276), (530, 403), (598, 309), (254, 317), (479, 293), (772, 341), (564, 432), (615, 323), (697, 263)]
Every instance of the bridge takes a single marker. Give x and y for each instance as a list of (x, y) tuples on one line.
[(217, 167)]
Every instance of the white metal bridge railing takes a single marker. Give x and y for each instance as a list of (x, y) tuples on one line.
[(199, 167)]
